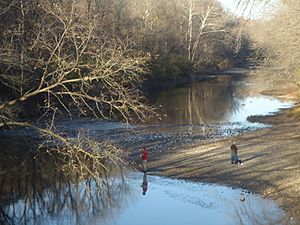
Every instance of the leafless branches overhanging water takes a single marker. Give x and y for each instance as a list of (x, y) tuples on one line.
[(34, 190), (57, 60)]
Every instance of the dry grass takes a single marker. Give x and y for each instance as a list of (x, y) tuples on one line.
[(294, 113)]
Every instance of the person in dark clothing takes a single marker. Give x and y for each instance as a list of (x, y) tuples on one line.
[(234, 156)]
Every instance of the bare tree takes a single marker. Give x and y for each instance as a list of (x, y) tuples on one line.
[(189, 14), (202, 20), (209, 23), (74, 63), (250, 8), (277, 40), (57, 60)]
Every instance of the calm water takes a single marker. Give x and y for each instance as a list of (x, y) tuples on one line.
[(212, 108), (139, 199), (198, 111), (178, 202), (225, 100), (32, 193)]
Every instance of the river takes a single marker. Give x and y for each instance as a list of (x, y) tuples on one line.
[(190, 113)]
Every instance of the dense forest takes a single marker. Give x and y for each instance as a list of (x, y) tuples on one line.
[(276, 40), (92, 57)]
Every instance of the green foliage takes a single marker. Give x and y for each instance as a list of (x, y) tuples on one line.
[(171, 68)]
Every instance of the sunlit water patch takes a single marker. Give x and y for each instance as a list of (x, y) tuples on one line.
[(142, 199), (172, 202), (192, 112), (205, 122), (223, 104)]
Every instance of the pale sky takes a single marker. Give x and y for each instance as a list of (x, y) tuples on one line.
[(256, 11), (228, 4), (231, 6)]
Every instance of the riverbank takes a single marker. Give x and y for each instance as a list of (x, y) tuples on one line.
[(271, 158), (161, 84)]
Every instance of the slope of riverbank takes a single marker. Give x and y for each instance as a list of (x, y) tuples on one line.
[(271, 158)]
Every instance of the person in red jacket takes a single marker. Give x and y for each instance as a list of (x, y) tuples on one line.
[(144, 157)]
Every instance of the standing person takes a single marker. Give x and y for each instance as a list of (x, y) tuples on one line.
[(144, 157), (234, 156)]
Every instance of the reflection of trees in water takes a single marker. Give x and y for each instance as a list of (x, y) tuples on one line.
[(249, 213), (200, 103), (32, 191)]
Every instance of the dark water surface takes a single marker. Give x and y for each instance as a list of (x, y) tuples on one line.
[(208, 109), (189, 113), (225, 100)]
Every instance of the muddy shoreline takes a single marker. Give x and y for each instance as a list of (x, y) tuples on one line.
[(271, 158)]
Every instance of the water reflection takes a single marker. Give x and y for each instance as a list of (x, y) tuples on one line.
[(202, 102), (177, 202), (33, 192), (221, 100), (144, 184)]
